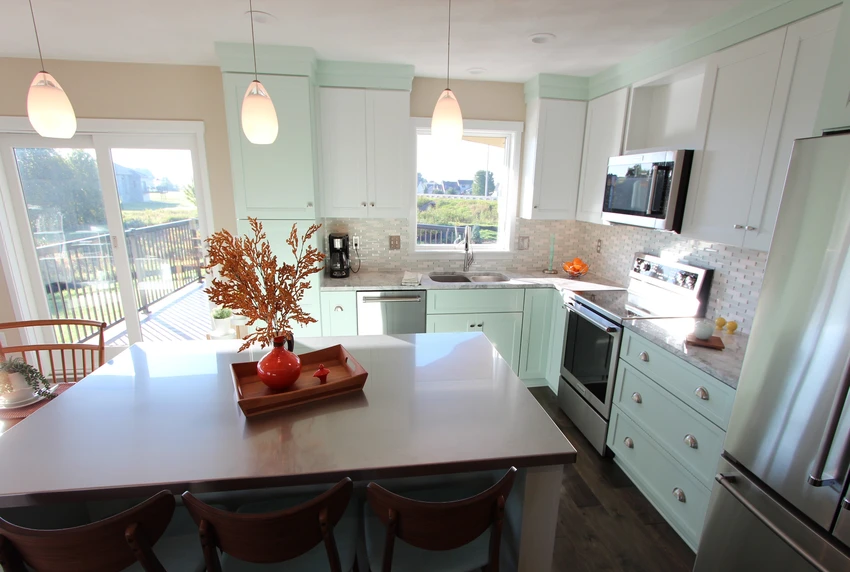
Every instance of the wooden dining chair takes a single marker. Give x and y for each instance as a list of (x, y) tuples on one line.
[(249, 537), (60, 362), (447, 536), (108, 545)]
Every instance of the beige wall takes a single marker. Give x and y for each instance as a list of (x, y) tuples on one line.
[(478, 99), (135, 91)]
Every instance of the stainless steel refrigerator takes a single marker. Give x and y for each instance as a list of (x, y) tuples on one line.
[(780, 500)]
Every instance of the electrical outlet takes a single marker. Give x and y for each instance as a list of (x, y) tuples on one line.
[(522, 243), (599, 245), (355, 242), (395, 242)]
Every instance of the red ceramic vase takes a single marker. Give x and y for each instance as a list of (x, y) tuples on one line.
[(280, 368)]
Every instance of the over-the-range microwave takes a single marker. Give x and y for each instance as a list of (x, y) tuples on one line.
[(648, 190)]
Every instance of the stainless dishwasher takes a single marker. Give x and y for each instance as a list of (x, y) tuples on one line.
[(391, 312)]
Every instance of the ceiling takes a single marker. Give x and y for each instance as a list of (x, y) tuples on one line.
[(491, 34)]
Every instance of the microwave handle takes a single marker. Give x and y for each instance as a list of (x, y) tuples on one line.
[(653, 188)]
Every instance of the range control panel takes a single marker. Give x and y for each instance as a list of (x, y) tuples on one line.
[(674, 275)]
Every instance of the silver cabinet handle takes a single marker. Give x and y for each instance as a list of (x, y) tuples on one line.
[(339, 309), (748, 227), (309, 205), (378, 299), (738, 226), (701, 392), (691, 441), (679, 494), (643, 356), (629, 443), (371, 204), (636, 397), (363, 204)]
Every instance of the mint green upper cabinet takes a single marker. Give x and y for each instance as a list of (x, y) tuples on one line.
[(536, 334), (603, 139), (276, 181), (554, 134), (366, 153), (835, 104)]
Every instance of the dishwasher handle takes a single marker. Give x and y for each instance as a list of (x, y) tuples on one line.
[(380, 299)]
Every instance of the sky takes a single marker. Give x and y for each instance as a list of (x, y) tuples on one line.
[(437, 162), (175, 164)]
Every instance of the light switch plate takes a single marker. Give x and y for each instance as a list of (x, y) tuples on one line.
[(522, 243), (395, 242)]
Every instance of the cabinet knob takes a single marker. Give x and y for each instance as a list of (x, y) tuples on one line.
[(371, 204), (535, 206), (643, 356), (748, 227), (691, 441), (338, 309), (636, 397), (471, 325), (309, 205), (737, 226), (629, 443), (679, 494), (363, 204), (701, 392), (480, 325)]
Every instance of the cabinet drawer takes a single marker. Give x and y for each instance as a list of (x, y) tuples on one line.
[(475, 301), (707, 395), (683, 432), (659, 477)]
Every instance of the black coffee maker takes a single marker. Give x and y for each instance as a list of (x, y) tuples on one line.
[(340, 264)]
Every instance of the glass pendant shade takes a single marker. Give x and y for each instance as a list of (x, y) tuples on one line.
[(259, 119), (49, 109), (447, 121)]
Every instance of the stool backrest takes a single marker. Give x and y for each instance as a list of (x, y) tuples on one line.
[(442, 525), (108, 545), (271, 537)]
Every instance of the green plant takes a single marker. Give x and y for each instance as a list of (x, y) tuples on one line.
[(222, 313), (37, 382)]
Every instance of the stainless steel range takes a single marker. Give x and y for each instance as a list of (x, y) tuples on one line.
[(657, 289)]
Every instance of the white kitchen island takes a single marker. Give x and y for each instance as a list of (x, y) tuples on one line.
[(164, 416)]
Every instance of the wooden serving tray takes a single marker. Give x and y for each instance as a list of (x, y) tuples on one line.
[(714, 342), (255, 397)]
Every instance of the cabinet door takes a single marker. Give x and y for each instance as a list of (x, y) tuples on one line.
[(274, 181), (559, 330), (553, 149), (343, 128), (505, 333), (392, 182), (451, 323), (603, 139), (802, 73), (739, 86), (835, 104), (536, 334), (339, 313)]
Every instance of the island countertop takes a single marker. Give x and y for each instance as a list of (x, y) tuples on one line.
[(165, 416)]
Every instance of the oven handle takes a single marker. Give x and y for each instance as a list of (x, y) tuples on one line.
[(605, 326), (653, 188)]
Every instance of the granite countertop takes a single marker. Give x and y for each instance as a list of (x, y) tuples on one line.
[(366, 280), (670, 334)]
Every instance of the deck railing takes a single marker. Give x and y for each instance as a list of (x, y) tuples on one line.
[(80, 280), (445, 234)]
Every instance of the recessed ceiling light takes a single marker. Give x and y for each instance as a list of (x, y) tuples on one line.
[(261, 17), (476, 71), (541, 38)]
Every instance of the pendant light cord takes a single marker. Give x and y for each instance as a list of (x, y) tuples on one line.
[(449, 47), (253, 41), (37, 42)]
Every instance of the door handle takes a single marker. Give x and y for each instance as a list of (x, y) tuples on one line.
[(636, 397), (679, 494), (738, 226), (748, 227), (643, 356), (691, 441), (702, 393), (374, 299), (339, 309), (628, 442), (817, 477)]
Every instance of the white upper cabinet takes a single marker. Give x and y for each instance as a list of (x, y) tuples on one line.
[(366, 153), (276, 181), (554, 134), (603, 139), (835, 103)]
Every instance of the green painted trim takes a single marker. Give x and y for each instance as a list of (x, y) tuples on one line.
[(753, 18), (551, 86), (365, 75), (273, 60)]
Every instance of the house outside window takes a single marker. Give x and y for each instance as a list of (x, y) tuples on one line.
[(469, 183)]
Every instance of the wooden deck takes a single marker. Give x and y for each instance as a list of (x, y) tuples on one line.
[(184, 315)]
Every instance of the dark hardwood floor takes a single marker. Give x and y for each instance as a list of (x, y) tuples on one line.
[(604, 522)]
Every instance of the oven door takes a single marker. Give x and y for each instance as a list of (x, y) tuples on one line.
[(589, 359)]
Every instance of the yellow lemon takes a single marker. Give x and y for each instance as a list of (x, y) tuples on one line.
[(720, 322), (731, 327)]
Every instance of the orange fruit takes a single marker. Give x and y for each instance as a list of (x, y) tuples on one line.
[(577, 261)]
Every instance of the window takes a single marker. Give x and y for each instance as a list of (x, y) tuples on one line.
[(470, 183)]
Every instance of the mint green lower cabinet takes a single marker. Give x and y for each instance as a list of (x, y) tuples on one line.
[(339, 314), (535, 347), (559, 330), (477, 301), (504, 330)]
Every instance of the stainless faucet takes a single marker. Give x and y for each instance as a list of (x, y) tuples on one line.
[(468, 256)]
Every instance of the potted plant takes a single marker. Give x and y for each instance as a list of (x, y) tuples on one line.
[(252, 282), (221, 319), (17, 375)]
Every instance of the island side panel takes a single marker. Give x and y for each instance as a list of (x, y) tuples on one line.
[(531, 516)]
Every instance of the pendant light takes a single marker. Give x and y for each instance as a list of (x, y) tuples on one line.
[(447, 120), (49, 110), (259, 119)]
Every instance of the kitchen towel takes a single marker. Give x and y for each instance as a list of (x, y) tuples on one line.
[(411, 279)]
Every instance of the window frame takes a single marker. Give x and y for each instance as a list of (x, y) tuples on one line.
[(512, 132)]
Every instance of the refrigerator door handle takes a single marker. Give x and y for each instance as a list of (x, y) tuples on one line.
[(817, 477), (726, 482)]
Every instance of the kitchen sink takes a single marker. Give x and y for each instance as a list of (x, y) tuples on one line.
[(437, 277), (488, 277), (468, 277)]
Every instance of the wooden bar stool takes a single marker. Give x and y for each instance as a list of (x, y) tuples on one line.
[(265, 535), (446, 536), (121, 542)]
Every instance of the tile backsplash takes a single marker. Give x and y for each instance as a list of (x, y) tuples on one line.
[(738, 272)]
